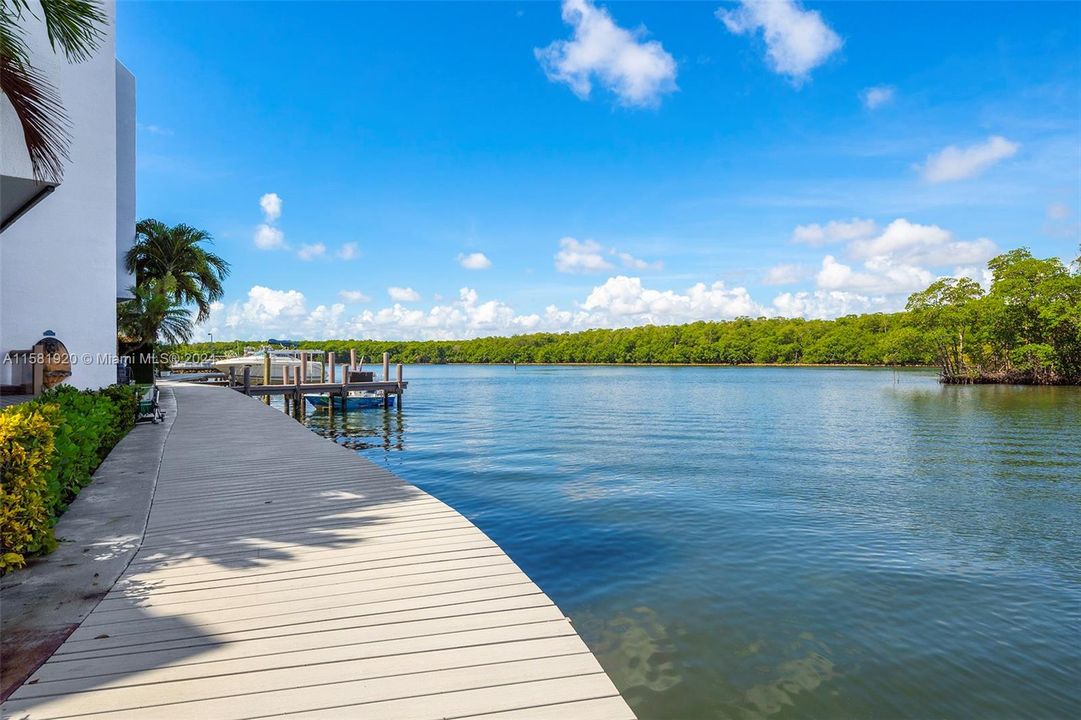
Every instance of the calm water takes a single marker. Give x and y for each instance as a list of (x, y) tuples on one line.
[(773, 542)]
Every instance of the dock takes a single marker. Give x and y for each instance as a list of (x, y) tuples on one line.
[(281, 574)]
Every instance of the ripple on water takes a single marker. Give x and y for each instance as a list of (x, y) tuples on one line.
[(773, 542)]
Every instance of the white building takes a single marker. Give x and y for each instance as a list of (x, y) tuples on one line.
[(61, 247)]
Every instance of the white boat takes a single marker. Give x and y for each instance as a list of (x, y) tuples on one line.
[(279, 360)]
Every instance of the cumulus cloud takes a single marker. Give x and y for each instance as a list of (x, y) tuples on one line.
[(403, 294), (822, 304), (312, 251), (589, 256), (882, 266), (916, 244), (877, 96), (348, 251), (833, 232), (272, 207), (353, 296), (636, 70), (784, 274), (474, 261), (959, 163), (580, 257), (797, 40), (268, 238), (884, 276), (623, 301)]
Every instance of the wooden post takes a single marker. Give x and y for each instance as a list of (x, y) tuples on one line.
[(266, 368), (232, 375), (303, 367), (386, 378), (247, 379), (330, 366), (296, 389), (352, 359), (400, 375), (323, 370)]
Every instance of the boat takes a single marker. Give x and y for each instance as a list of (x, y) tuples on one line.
[(279, 360), (353, 401)]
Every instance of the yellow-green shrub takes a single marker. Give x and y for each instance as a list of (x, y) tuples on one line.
[(26, 453), (50, 449)]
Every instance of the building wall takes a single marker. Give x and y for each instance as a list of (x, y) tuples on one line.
[(58, 262), (125, 176)]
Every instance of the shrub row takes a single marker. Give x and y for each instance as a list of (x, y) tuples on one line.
[(49, 449)]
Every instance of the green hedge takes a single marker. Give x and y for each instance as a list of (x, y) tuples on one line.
[(49, 449)]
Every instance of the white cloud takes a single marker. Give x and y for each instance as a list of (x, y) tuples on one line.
[(348, 251), (797, 40), (623, 301), (353, 296), (833, 231), (887, 264), (822, 304), (580, 257), (785, 274), (915, 244), (272, 207), (400, 294), (310, 252), (881, 276), (959, 163), (637, 71), (474, 261), (877, 96), (630, 261), (269, 238)]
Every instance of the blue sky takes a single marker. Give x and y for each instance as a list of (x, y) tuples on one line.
[(458, 169)]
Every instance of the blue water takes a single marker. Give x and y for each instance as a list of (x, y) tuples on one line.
[(773, 542)]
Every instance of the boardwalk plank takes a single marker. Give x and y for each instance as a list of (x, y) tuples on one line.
[(291, 577)]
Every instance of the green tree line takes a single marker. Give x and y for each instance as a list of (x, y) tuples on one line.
[(1026, 328)]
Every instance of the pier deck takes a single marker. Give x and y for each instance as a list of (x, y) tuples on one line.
[(283, 575)]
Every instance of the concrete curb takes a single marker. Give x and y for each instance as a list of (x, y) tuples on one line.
[(99, 535)]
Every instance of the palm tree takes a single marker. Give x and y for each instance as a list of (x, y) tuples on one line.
[(74, 27), (151, 315), (175, 256)]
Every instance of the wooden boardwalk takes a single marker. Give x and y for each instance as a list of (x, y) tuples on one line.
[(283, 575)]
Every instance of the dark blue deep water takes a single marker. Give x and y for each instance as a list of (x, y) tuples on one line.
[(773, 542)]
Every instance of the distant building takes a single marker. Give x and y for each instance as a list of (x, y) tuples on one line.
[(62, 246)]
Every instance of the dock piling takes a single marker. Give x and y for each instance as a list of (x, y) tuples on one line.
[(247, 380)]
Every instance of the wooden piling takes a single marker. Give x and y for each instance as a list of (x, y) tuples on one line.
[(401, 373), (247, 381), (352, 359), (330, 366), (232, 375)]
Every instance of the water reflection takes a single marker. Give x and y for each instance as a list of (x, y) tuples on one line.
[(357, 429)]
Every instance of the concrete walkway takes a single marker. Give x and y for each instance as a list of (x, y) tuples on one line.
[(99, 535), (283, 575)]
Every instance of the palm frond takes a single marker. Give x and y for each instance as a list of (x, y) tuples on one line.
[(76, 26), (45, 124)]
